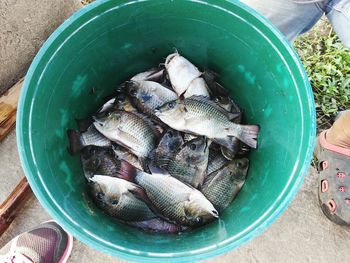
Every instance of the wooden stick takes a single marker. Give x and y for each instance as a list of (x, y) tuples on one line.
[(8, 109), (13, 203), (22, 192)]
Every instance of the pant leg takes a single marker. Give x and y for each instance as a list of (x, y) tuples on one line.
[(291, 18), (339, 16)]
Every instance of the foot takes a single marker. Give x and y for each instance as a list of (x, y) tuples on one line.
[(334, 180), (46, 243)]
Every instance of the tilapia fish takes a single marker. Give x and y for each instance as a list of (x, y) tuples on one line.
[(123, 154), (215, 161), (91, 136), (200, 116), (97, 160), (118, 198), (149, 95), (190, 163), (222, 186), (176, 201), (229, 105), (153, 74), (120, 102), (167, 148), (158, 225), (181, 72), (129, 130), (197, 87)]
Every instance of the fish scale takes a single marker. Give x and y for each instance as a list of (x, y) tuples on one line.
[(115, 196), (164, 191), (222, 186), (149, 95), (129, 130), (215, 162), (130, 208)]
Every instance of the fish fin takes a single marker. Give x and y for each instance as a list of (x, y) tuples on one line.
[(230, 142), (206, 100), (163, 162), (84, 124), (156, 170), (75, 144), (157, 75), (249, 134), (126, 171), (235, 116)]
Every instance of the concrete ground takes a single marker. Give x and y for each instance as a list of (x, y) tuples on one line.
[(301, 234)]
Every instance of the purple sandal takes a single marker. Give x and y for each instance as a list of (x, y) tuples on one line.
[(334, 180)]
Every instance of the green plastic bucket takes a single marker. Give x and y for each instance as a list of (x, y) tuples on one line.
[(106, 43)]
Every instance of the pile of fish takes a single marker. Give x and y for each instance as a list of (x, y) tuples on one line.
[(167, 153)]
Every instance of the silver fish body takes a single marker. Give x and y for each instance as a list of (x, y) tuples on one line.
[(97, 160), (129, 130), (176, 201), (167, 148), (197, 87), (181, 72), (117, 198), (215, 161), (200, 116), (190, 163), (153, 74), (149, 95), (158, 225), (222, 186), (91, 137), (123, 154)]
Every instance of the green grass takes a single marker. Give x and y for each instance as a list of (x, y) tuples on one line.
[(327, 63)]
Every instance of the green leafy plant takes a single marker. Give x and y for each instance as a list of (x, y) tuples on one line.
[(327, 63)]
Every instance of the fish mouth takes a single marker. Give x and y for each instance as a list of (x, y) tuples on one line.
[(214, 213), (170, 58)]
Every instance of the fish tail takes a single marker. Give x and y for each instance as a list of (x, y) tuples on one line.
[(75, 144), (126, 171), (249, 135)]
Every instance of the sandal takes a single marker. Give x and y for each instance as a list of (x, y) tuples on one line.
[(334, 180)]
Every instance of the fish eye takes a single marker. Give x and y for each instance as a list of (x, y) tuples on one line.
[(193, 146), (241, 164), (170, 134), (99, 195), (171, 104), (133, 92), (218, 99), (114, 202), (199, 220), (92, 150), (120, 98)]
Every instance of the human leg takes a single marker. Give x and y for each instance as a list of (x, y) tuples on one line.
[(291, 18), (338, 13)]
